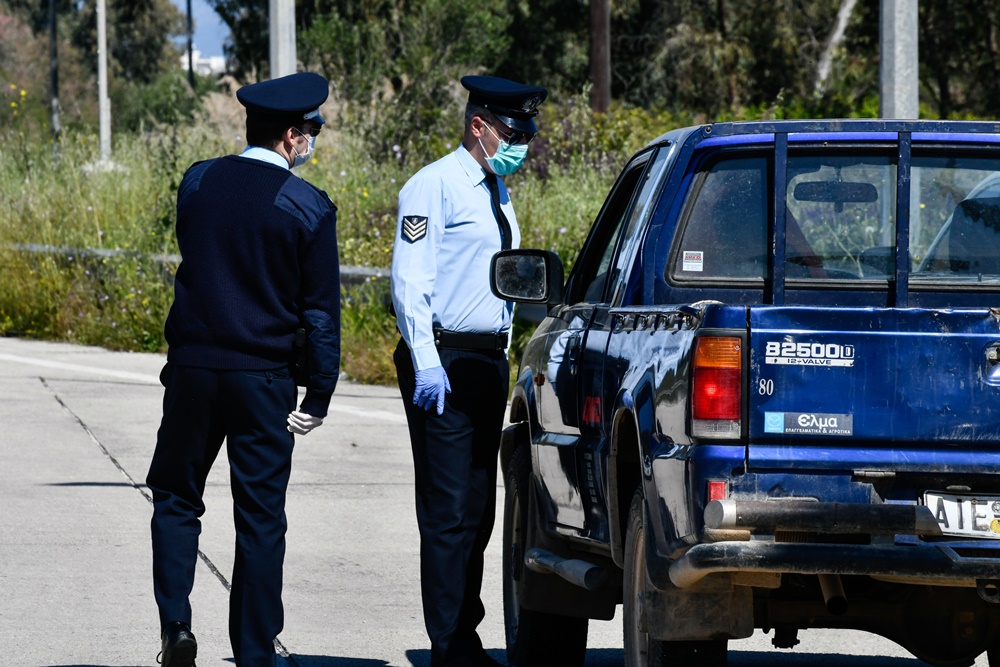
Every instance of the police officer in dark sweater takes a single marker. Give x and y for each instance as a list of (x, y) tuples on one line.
[(259, 261)]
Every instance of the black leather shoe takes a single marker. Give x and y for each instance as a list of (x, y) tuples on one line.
[(179, 646)]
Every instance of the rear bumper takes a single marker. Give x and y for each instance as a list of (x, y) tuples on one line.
[(925, 562), (804, 508), (913, 560)]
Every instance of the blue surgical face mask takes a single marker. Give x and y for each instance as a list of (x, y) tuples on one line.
[(508, 158), (301, 158)]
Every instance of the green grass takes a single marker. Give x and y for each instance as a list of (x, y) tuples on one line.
[(119, 300)]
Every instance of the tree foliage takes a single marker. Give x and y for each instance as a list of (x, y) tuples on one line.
[(139, 36), (960, 57), (715, 57), (141, 53), (395, 64), (550, 43), (248, 47), (25, 88)]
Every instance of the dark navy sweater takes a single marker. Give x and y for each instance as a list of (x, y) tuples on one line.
[(258, 260)]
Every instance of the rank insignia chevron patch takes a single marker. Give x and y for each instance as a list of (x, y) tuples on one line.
[(414, 227)]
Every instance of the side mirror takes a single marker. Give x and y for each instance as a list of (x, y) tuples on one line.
[(527, 276)]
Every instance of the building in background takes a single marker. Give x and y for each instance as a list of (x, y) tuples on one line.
[(204, 65)]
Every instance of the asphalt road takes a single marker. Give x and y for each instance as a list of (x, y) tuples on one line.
[(77, 429)]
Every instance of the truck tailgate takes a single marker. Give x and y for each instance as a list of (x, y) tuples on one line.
[(872, 378)]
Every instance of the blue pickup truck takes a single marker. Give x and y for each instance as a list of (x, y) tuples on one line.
[(766, 397)]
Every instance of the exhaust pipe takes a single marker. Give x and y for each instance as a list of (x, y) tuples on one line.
[(577, 572), (833, 593)]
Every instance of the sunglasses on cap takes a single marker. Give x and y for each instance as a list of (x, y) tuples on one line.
[(514, 136)]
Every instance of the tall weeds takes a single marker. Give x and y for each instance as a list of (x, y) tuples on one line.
[(86, 248)]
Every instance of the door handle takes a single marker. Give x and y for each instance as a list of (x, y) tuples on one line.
[(573, 353)]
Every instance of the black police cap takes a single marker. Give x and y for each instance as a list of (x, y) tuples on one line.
[(295, 96), (514, 104)]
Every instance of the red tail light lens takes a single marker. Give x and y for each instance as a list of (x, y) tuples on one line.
[(717, 387), (717, 393), (717, 491)]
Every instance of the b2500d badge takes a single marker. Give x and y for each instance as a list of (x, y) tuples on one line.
[(808, 423), (790, 353)]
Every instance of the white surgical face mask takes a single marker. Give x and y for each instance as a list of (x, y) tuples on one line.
[(301, 158), (507, 158)]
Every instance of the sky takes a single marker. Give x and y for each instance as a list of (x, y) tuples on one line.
[(209, 30)]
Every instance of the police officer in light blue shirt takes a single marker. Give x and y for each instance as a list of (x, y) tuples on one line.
[(451, 361)]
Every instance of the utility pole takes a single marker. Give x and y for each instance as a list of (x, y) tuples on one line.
[(103, 103), (898, 82), (190, 36), (281, 17), (600, 55), (54, 71)]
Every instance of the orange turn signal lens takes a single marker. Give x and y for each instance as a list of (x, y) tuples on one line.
[(718, 352)]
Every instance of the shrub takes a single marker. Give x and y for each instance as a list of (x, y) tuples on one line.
[(117, 293)]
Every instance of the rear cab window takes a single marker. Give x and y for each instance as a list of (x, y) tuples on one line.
[(955, 222), (840, 221)]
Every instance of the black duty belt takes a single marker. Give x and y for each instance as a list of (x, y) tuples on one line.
[(458, 340)]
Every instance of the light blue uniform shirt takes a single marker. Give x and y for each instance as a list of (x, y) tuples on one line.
[(265, 155), (446, 236)]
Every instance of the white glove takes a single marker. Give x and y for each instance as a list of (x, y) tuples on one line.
[(301, 423)]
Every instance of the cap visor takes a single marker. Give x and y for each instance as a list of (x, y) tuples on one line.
[(315, 117), (526, 125)]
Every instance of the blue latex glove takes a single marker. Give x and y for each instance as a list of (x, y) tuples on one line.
[(432, 385)]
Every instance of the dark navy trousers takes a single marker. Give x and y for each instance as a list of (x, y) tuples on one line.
[(455, 473), (249, 410)]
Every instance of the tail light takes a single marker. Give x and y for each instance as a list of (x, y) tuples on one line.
[(717, 387), (717, 490)]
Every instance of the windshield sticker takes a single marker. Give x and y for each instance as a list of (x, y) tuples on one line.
[(808, 423), (790, 353), (694, 260)]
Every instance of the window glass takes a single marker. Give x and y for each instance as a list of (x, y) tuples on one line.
[(955, 219), (591, 272), (841, 220), (632, 232), (725, 233)]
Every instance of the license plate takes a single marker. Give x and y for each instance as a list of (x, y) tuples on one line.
[(969, 516)]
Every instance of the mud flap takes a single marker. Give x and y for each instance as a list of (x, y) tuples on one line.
[(552, 594), (713, 609)]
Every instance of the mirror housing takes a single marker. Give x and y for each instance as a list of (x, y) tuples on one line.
[(527, 276)]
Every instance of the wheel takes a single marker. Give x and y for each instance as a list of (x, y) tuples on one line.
[(640, 649), (533, 638)]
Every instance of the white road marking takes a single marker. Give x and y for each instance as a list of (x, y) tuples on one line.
[(59, 365), (377, 415)]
